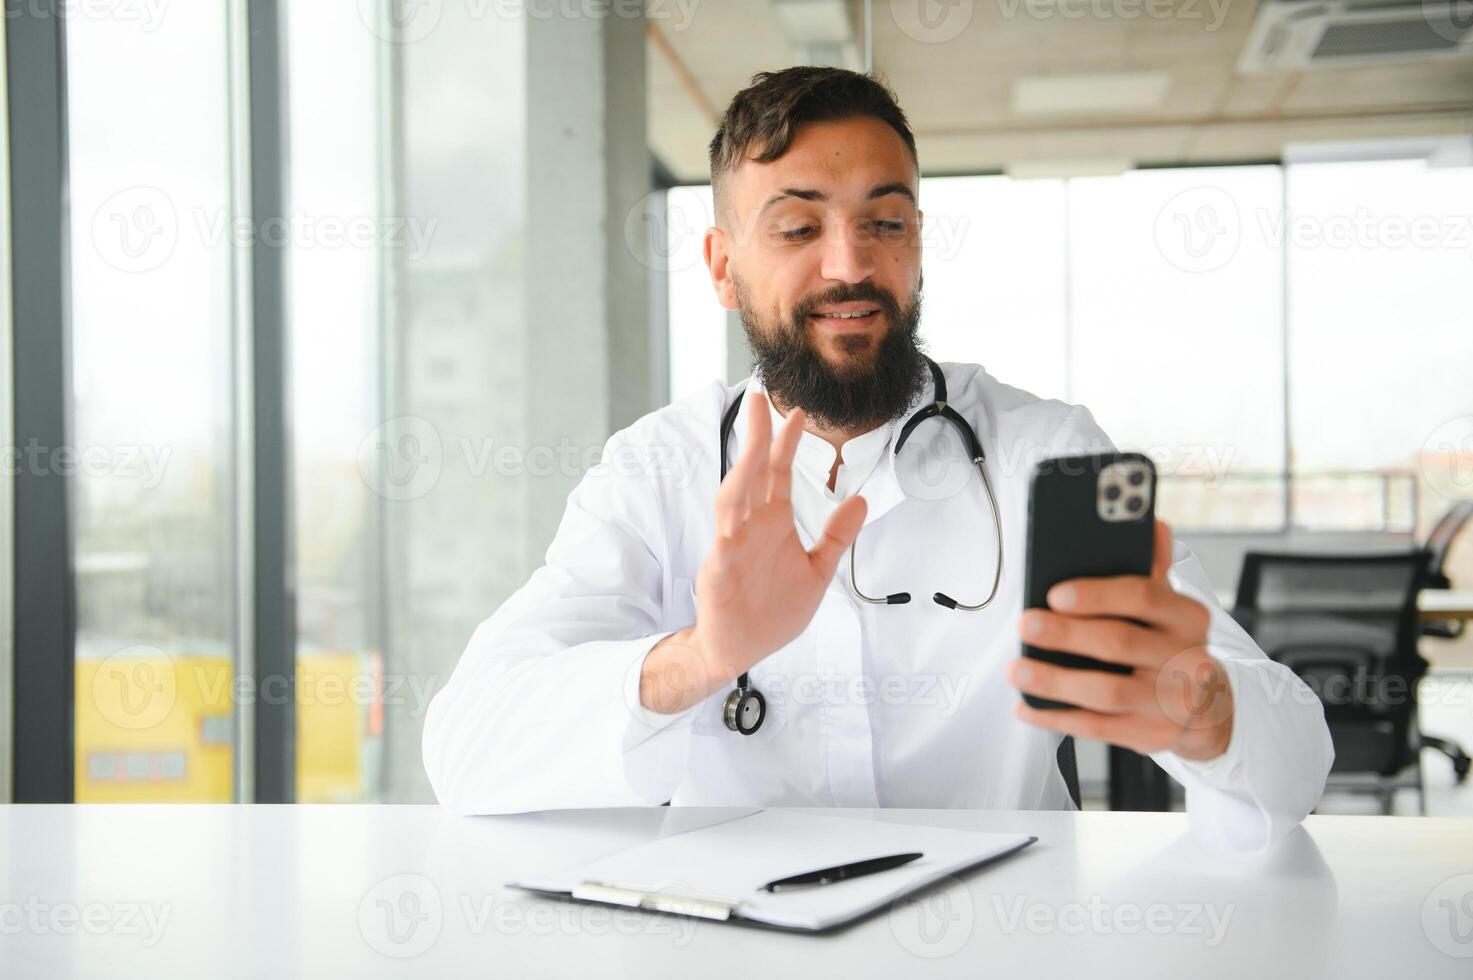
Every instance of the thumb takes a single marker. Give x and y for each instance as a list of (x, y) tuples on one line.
[(1161, 556), (838, 534)]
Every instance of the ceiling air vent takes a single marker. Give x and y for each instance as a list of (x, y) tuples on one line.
[(1306, 34)]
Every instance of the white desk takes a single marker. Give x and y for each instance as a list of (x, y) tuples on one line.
[(305, 891)]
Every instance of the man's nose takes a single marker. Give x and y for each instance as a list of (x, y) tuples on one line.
[(846, 255)]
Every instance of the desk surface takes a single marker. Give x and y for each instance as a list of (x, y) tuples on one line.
[(309, 891)]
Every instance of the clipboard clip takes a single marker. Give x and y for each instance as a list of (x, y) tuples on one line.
[(654, 900)]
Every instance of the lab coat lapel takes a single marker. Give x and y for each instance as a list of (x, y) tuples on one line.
[(882, 491)]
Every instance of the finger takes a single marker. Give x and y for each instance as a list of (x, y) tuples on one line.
[(1150, 601), (759, 437), (838, 534), (1111, 694), (1161, 556), (780, 461), (1105, 638), (732, 497), (1126, 730)]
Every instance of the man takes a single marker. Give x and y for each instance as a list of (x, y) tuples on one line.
[(603, 681)]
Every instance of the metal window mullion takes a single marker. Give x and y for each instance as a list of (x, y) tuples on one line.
[(273, 587), (44, 655)]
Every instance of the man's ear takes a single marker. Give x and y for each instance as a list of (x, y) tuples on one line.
[(718, 260)]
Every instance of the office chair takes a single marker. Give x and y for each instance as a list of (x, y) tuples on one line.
[(1069, 768), (1347, 625), (1439, 542)]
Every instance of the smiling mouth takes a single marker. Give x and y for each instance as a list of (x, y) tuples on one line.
[(855, 317)]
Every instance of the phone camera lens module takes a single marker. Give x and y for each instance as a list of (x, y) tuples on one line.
[(1137, 478), (1112, 492), (1134, 504)]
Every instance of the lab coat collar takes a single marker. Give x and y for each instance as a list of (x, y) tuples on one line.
[(882, 489)]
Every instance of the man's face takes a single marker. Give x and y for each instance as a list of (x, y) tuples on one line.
[(820, 248)]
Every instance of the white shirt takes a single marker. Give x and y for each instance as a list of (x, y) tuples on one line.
[(892, 706)]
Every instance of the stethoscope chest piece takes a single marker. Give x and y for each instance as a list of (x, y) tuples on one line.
[(744, 710)]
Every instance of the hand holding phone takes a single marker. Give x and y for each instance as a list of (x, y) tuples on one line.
[(1088, 517), (1125, 660)]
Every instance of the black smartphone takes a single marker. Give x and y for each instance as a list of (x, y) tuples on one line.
[(1089, 516)]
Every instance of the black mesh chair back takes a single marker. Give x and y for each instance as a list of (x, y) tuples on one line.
[(1347, 625), (1440, 541)]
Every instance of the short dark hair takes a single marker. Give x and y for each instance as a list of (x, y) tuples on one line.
[(765, 115)]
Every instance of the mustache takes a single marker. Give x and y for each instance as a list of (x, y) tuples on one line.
[(848, 293)]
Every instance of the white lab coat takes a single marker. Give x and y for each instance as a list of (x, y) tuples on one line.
[(891, 706)]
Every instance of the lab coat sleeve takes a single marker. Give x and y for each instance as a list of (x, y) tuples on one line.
[(543, 711), (1279, 752)]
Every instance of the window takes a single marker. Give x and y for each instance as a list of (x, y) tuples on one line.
[(152, 299), (1180, 305), (336, 305), (1380, 336)]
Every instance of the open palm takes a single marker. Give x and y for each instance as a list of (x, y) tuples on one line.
[(759, 587)]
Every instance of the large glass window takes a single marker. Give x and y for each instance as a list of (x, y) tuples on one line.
[(1177, 334), (152, 297), (336, 304), (1181, 305), (1380, 338)]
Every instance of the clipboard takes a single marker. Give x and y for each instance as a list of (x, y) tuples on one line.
[(716, 870)]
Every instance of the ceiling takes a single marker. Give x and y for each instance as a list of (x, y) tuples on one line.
[(1046, 94)]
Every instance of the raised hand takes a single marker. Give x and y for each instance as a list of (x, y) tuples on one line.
[(759, 587)]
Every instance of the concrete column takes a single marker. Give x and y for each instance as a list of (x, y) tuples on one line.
[(588, 352)]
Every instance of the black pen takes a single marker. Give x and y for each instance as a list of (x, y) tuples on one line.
[(858, 869)]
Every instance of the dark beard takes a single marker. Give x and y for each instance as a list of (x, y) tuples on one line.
[(869, 390)]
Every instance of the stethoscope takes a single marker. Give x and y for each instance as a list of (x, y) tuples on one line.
[(745, 707)]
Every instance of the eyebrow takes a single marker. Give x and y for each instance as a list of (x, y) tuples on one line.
[(806, 194)]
